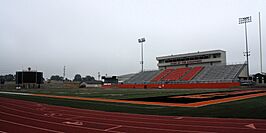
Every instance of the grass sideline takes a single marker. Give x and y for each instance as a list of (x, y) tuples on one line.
[(254, 108)]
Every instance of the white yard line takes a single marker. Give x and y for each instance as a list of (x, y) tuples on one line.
[(14, 93)]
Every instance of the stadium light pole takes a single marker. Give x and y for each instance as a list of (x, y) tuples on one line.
[(246, 20), (141, 41), (260, 45)]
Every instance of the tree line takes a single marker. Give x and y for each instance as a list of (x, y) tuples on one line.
[(77, 77)]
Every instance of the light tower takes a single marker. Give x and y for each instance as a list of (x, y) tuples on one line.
[(261, 71), (141, 41), (246, 20), (64, 73)]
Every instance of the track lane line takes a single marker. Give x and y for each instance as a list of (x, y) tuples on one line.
[(183, 124), (140, 127), (141, 116), (55, 124), (108, 129), (29, 126), (166, 130)]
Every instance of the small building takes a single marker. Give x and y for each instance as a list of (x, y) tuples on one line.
[(259, 78), (110, 80), (91, 84)]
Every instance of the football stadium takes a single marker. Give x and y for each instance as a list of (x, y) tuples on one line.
[(189, 84), (191, 92), (207, 69)]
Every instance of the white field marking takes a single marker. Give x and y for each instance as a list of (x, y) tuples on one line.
[(108, 129), (252, 126), (77, 123), (113, 94), (39, 128), (52, 114), (179, 118), (15, 93), (41, 108), (2, 132)]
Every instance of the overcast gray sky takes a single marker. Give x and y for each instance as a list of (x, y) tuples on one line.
[(91, 36)]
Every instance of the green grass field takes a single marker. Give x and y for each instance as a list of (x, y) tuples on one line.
[(248, 108)]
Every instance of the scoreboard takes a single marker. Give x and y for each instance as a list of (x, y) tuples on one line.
[(29, 77)]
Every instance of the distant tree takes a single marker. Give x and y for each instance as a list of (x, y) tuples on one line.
[(66, 79), (8, 77), (2, 79), (56, 78), (88, 78), (77, 77)]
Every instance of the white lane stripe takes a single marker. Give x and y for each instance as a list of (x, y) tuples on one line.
[(54, 122), (39, 128), (108, 129), (125, 121), (137, 127), (143, 127), (15, 93)]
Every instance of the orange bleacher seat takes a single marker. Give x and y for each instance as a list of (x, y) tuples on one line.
[(192, 73), (176, 74), (162, 74)]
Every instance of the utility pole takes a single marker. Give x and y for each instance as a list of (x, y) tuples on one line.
[(64, 73), (99, 75), (246, 20), (260, 45), (141, 41)]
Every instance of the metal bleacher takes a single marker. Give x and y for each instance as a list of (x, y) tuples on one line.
[(192, 73), (188, 74), (162, 74), (221, 72), (145, 76)]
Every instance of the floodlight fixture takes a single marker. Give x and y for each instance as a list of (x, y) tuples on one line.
[(245, 20), (141, 40)]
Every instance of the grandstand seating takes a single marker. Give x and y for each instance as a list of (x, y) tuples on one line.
[(199, 73), (162, 74), (192, 73), (221, 72), (143, 76), (176, 74)]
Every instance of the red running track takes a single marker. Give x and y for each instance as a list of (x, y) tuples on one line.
[(24, 116)]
